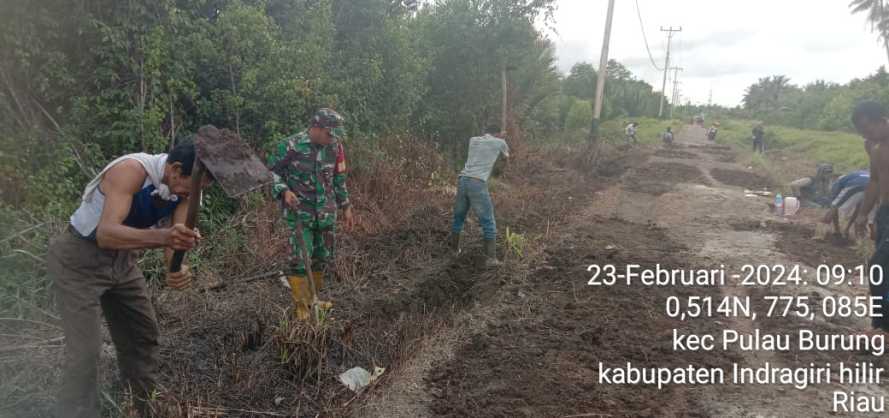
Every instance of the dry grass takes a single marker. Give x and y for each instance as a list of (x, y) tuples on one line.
[(393, 287), (303, 347)]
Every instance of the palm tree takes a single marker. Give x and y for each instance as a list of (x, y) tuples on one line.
[(765, 96), (878, 16)]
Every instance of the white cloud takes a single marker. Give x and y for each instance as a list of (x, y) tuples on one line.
[(725, 45)]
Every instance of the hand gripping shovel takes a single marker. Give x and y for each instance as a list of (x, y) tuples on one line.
[(230, 162)]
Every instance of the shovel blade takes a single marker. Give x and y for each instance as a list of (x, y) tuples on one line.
[(231, 162)]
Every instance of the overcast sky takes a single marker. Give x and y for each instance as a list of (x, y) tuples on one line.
[(725, 45)]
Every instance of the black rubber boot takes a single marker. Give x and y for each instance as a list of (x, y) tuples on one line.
[(491, 253), (454, 243)]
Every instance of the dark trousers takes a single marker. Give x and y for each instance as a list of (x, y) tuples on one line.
[(881, 257), (759, 146), (89, 282)]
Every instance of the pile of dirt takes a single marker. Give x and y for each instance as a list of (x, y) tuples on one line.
[(674, 153), (661, 177), (540, 355), (711, 147), (723, 153), (614, 167), (726, 158), (740, 178), (671, 172)]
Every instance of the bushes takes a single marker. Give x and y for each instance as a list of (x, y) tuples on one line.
[(579, 117)]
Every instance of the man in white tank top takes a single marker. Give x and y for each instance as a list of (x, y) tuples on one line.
[(95, 273)]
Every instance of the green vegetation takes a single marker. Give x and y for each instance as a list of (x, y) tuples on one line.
[(819, 105), (625, 98), (648, 132), (792, 153)]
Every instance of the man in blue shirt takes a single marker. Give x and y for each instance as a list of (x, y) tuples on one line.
[(472, 190), (846, 196)]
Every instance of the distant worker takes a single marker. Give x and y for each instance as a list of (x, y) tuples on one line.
[(310, 181), (711, 133), (759, 134), (668, 136), (472, 191), (847, 194), (630, 131), (870, 121)]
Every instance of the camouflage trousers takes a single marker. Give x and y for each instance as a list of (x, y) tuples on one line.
[(320, 243)]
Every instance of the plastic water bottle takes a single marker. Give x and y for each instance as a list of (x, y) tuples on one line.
[(779, 204)]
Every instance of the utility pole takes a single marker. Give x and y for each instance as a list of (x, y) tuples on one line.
[(670, 30), (710, 98), (603, 73), (675, 98), (504, 100)]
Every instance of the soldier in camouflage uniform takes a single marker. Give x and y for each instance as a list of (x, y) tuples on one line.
[(310, 180)]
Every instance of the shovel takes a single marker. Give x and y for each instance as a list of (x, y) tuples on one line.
[(230, 162), (279, 168), (310, 277)]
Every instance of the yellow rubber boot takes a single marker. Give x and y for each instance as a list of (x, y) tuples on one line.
[(319, 283), (302, 298)]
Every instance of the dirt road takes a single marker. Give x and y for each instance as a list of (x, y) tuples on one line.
[(527, 339), (531, 346)]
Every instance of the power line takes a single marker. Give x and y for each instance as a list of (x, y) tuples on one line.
[(645, 38)]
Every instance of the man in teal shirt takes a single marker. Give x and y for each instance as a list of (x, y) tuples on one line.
[(472, 190)]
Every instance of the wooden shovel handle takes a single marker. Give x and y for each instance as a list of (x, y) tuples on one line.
[(194, 205)]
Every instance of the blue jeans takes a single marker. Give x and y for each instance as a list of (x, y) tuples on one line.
[(472, 192)]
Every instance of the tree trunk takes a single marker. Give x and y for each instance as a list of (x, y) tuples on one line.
[(231, 76), (172, 125), (504, 100), (142, 102)]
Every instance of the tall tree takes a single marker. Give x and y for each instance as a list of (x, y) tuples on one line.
[(877, 15)]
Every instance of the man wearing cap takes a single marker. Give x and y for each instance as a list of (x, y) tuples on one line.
[(310, 181)]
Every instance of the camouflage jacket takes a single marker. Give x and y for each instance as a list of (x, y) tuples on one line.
[(316, 174)]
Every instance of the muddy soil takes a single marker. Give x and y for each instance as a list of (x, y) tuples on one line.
[(710, 147), (539, 356), (524, 340), (657, 178), (719, 153), (801, 243), (670, 172), (675, 153), (740, 178)]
